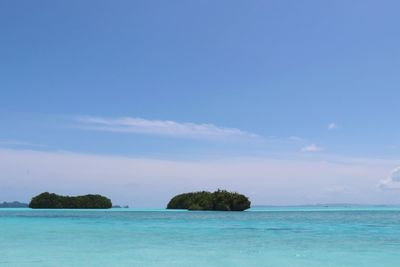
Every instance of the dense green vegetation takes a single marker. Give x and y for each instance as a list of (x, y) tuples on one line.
[(53, 201), (219, 200)]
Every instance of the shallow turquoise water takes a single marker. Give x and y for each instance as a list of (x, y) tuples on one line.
[(275, 237)]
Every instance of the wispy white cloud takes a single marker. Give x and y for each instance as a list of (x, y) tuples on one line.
[(312, 148), (162, 127), (332, 126), (392, 182), (19, 143)]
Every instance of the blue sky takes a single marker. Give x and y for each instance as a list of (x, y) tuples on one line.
[(270, 83)]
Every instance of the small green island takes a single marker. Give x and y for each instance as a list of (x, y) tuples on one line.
[(48, 200), (220, 200)]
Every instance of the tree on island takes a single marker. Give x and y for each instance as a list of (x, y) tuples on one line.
[(220, 200), (53, 201)]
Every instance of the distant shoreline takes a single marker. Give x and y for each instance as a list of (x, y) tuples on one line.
[(13, 204)]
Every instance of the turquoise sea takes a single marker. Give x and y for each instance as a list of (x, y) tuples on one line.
[(264, 236)]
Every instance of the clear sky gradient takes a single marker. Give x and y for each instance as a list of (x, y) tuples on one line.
[(290, 102)]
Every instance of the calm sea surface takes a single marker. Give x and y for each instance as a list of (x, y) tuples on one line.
[(275, 237)]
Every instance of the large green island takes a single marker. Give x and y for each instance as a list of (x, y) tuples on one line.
[(220, 200), (53, 201)]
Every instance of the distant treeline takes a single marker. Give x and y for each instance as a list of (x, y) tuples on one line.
[(53, 201), (14, 204), (221, 200)]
